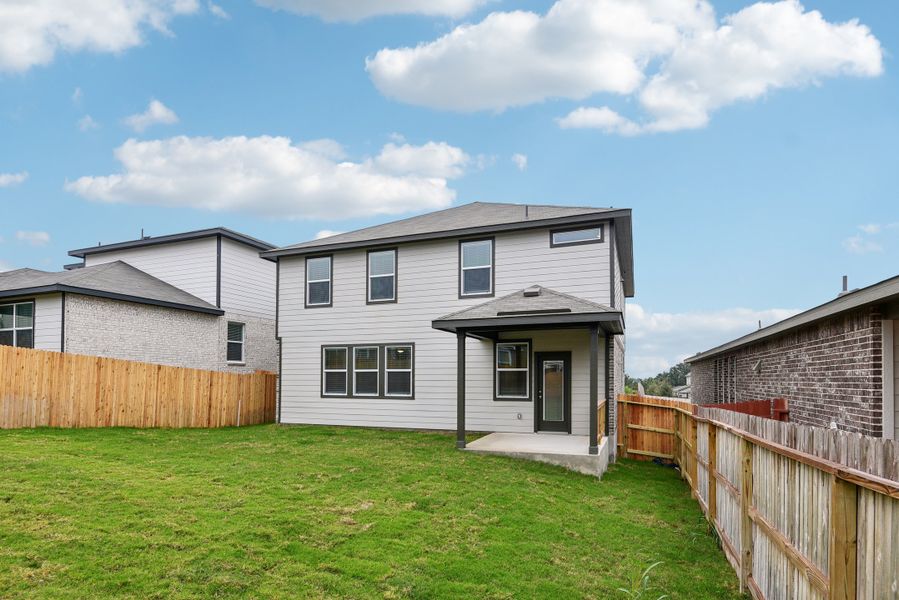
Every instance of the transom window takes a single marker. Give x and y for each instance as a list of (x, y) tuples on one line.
[(236, 342), (318, 281), (17, 324), (369, 371), (566, 237), (476, 268), (382, 276), (513, 373)]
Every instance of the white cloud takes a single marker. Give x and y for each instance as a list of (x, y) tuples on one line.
[(356, 10), (274, 177), (520, 160), (33, 238), (157, 113), (871, 228), (858, 244), (31, 33), (218, 11), (87, 123), (862, 243), (603, 118), (673, 56), (77, 95), (658, 341), (326, 233), (5, 266), (10, 179), (433, 159)]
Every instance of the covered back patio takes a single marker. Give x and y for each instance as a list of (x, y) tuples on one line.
[(577, 328)]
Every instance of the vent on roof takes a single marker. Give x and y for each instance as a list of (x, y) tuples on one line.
[(532, 291), (536, 311)]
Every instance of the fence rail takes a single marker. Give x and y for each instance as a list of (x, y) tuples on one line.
[(39, 388), (801, 512)]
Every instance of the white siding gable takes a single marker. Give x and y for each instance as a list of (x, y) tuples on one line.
[(248, 281), (189, 265)]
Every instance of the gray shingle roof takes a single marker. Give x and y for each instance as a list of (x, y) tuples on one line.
[(176, 237), (532, 307), (116, 280), (545, 301), (878, 293), (449, 221)]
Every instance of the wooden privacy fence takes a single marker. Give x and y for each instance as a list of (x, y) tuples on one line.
[(801, 512), (54, 389)]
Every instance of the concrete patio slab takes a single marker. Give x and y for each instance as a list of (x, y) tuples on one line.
[(569, 451)]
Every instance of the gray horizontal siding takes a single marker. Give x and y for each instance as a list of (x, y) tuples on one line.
[(428, 289)]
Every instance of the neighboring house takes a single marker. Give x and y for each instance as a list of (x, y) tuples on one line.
[(374, 323), (202, 299), (837, 363), (684, 391)]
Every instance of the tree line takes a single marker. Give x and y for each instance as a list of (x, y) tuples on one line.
[(662, 384)]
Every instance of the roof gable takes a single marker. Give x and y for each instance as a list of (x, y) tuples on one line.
[(115, 280), (173, 238)]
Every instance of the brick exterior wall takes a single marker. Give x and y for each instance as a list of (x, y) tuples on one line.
[(829, 371), (617, 369), (166, 336)]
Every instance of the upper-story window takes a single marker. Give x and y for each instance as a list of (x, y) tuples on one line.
[(17, 324), (571, 237), (476, 268), (318, 281), (382, 275)]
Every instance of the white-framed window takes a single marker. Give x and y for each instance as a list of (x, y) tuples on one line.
[(366, 376), (398, 361), (318, 281), (334, 371), (236, 342), (513, 370), (476, 268), (382, 275), (570, 237), (17, 324)]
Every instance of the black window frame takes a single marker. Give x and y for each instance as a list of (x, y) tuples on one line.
[(15, 329), (242, 342), (461, 276), (368, 275), (346, 372), (530, 375), (584, 227), (350, 371), (306, 281)]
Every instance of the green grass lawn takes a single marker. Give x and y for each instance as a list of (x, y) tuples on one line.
[(323, 512)]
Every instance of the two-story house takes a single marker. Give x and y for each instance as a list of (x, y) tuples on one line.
[(201, 299), (480, 318)]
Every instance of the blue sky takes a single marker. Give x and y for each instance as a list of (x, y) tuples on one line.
[(750, 208)]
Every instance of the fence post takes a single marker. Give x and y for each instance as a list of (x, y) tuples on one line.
[(694, 451), (625, 415), (713, 471), (843, 539), (746, 521)]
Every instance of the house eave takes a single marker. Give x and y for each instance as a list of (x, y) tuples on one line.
[(57, 288), (174, 238), (883, 292), (610, 322)]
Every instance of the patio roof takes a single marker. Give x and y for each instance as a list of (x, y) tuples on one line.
[(533, 307)]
